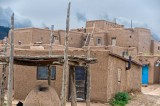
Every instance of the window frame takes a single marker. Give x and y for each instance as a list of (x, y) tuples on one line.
[(47, 72), (113, 38), (99, 38)]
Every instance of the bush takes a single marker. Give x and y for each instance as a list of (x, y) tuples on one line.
[(120, 99)]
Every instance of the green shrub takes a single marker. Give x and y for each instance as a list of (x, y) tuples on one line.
[(120, 99)]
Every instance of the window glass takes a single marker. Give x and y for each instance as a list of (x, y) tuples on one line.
[(42, 72)]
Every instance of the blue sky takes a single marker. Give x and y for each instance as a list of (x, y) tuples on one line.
[(42, 13)]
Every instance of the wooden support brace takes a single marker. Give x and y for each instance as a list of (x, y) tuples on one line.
[(49, 75), (73, 87)]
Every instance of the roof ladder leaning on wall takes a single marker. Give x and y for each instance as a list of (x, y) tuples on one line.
[(89, 36)]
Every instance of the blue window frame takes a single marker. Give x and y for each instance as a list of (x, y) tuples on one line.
[(42, 73)]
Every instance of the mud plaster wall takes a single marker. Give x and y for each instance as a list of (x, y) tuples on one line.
[(25, 36), (28, 75), (39, 35), (150, 60), (156, 48), (102, 36), (75, 39), (130, 79), (134, 78), (112, 81), (144, 40), (124, 37)]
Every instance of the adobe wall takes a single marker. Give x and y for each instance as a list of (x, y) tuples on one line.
[(156, 47), (134, 78), (41, 35), (124, 37), (101, 25), (112, 81), (144, 40), (130, 79), (102, 36), (153, 73), (28, 75), (132, 51), (23, 35), (75, 39)]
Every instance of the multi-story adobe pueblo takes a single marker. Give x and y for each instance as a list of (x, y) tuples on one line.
[(110, 43)]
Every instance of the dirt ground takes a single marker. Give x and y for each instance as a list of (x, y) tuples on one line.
[(150, 96)]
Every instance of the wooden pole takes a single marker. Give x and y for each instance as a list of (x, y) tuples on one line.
[(89, 74), (88, 81), (65, 67), (73, 87), (10, 74), (49, 75), (3, 76), (51, 40)]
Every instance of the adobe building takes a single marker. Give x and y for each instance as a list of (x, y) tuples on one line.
[(110, 43), (108, 76)]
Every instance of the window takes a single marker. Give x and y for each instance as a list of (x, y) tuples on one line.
[(158, 48), (42, 73), (99, 41), (119, 75), (113, 41)]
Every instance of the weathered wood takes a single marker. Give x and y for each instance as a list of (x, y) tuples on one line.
[(49, 75), (10, 75), (88, 81), (73, 86), (65, 67), (3, 85), (51, 40), (3, 76)]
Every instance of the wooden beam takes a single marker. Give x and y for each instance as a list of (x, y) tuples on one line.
[(51, 40), (10, 75), (3, 76), (65, 67), (49, 75), (73, 87), (3, 82), (88, 81)]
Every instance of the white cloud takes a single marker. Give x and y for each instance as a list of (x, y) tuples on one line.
[(144, 13)]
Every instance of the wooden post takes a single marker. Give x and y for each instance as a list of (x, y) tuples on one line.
[(10, 74), (73, 87), (3, 84), (65, 67), (49, 75), (3, 76), (51, 40), (88, 81)]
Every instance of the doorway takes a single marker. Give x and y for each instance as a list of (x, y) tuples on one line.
[(145, 74), (80, 78)]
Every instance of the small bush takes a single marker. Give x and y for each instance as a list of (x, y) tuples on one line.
[(120, 99)]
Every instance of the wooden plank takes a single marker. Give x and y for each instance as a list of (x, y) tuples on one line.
[(65, 67), (10, 75), (73, 87)]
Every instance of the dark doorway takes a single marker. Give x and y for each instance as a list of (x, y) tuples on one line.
[(80, 77)]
